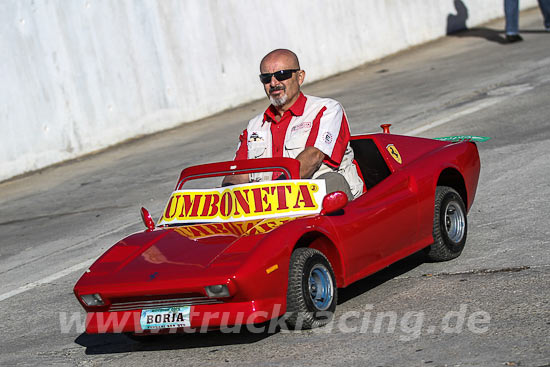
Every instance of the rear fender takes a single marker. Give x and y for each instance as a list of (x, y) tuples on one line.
[(451, 177)]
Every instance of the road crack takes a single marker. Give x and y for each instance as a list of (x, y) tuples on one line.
[(509, 269)]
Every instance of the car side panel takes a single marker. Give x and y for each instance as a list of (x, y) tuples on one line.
[(377, 224), (395, 218)]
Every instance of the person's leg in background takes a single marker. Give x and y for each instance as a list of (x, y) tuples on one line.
[(511, 12), (544, 6)]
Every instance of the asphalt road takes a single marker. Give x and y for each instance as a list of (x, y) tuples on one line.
[(489, 307)]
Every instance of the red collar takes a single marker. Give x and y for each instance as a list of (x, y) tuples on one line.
[(297, 109)]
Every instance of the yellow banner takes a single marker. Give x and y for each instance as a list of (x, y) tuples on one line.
[(249, 201), (234, 229)]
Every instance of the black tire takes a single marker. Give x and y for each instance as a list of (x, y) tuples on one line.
[(312, 293), (450, 225)]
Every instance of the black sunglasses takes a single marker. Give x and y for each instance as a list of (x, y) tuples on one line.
[(279, 75)]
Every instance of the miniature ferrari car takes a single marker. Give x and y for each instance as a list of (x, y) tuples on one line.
[(250, 253)]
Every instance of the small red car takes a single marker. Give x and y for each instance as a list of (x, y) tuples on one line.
[(250, 253)]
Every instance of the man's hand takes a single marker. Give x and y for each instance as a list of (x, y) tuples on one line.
[(235, 179), (310, 161)]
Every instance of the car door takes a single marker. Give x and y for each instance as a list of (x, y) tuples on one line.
[(377, 227)]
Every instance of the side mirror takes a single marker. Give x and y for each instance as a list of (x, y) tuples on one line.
[(333, 202), (147, 220)]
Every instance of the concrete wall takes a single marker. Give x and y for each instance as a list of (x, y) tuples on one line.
[(80, 75)]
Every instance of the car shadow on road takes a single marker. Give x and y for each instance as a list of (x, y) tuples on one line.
[(119, 343), (366, 284)]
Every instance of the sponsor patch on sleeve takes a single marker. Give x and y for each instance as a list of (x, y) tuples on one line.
[(327, 137)]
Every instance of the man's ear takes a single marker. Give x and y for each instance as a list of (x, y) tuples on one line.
[(301, 76)]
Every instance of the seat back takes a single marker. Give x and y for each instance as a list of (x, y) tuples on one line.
[(371, 163)]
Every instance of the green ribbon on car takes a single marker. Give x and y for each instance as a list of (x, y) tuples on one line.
[(459, 138)]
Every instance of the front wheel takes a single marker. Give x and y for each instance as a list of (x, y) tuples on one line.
[(312, 293), (450, 225)]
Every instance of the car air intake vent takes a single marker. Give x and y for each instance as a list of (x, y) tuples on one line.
[(160, 303)]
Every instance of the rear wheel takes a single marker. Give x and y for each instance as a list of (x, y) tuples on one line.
[(450, 225), (312, 293)]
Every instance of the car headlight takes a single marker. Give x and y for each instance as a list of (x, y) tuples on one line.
[(92, 299), (216, 291)]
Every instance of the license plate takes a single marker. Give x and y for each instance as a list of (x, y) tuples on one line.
[(165, 318)]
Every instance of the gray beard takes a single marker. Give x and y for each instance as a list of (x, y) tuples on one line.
[(278, 102)]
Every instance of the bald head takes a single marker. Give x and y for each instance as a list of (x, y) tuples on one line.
[(281, 78), (280, 56)]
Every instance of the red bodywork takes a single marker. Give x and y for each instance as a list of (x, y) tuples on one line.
[(170, 266)]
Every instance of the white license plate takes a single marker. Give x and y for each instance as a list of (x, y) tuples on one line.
[(165, 318)]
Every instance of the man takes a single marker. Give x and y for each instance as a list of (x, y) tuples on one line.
[(313, 130)]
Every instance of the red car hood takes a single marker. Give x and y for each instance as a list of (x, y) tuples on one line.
[(186, 252)]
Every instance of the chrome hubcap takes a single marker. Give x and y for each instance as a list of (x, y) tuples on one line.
[(320, 287), (455, 223)]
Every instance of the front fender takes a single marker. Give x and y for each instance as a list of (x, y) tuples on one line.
[(265, 273)]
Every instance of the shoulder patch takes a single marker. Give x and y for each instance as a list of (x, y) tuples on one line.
[(327, 137)]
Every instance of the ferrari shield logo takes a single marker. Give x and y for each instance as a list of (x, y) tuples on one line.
[(394, 153)]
